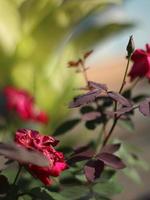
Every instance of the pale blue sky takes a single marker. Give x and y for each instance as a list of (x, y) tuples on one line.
[(137, 11)]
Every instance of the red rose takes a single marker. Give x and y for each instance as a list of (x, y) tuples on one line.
[(33, 140), (141, 63), (40, 116), (23, 104)]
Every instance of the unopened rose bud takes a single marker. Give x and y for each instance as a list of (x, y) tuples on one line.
[(130, 47)]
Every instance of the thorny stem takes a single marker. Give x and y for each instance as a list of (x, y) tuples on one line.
[(17, 175), (115, 107)]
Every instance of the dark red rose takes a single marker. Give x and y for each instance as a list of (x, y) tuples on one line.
[(141, 63), (33, 140), (23, 104)]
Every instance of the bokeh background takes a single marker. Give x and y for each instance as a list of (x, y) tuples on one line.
[(39, 37)]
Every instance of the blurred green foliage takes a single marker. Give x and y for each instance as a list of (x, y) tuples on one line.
[(39, 37)]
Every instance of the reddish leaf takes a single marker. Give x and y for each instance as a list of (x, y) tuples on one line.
[(112, 114), (87, 54), (84, 155), (95, 85), (111, 148), (93, 169), (111, 160), (123, 110), (85, 98), (83, 88), (74, 63), (144, 107), (119, 98), (90, 116), (81, 149), (20, 154)]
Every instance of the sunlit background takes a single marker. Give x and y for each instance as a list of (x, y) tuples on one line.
[(39, 37)]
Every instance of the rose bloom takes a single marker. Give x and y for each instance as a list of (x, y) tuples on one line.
[(33, 140), (23, 104), (141, 63)]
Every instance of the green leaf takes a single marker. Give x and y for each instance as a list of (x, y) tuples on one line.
[(68, 178), (86, 109), (132, 174), (74, 192), (108, 188), (81, 177), (90, 36), (25, 197), (139, 98), (130, 154), (38, 193), (107, 174), (45, 194), (53, 195), (143, 164), (100, 197), (127, 124), (127, 94), (66, 126), (90, 125)]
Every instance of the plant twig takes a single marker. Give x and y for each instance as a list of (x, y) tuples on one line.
[(17, 175), (125, 74), (99, 138), (115, 107), (110, 132), (84, 73)]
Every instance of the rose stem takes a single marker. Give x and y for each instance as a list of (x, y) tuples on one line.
[(115, 107), (103, 128), (17, 175), (125, 74)]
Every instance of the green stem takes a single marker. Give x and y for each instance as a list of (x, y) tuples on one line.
[(99, 138), (17, 175)]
